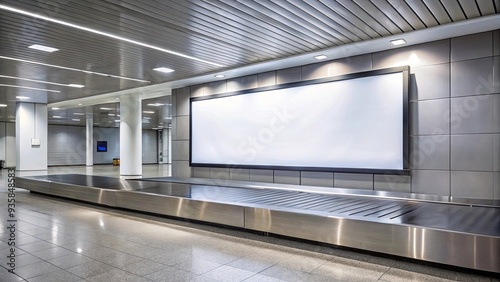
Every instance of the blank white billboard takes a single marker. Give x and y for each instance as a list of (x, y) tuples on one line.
[(347, 124)]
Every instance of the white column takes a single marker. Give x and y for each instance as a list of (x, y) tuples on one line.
[(89, 134), (130, 135), (31, 136)]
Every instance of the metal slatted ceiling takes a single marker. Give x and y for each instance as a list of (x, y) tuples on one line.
[(229, 32)]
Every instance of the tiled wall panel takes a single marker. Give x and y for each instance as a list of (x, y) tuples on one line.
[(454, 118)]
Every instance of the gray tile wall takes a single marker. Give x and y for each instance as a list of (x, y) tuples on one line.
[(454, 119), (67, 146)]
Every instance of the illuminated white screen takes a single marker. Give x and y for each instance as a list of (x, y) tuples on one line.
[(356, 123)]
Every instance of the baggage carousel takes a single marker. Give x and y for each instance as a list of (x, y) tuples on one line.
[(458, 232)]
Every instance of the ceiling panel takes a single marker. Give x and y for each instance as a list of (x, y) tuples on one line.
[(231, 33), (364, 15), (486, 7), (314, 19), (407, 12), (343, 17), (470, 8), (422, 12), (438, 11), (392, 14), (379, 16), (454, 9)]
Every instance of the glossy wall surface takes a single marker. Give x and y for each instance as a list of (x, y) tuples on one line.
[(454, 119)]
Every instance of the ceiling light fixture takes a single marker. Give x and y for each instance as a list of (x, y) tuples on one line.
[(31, 88), (111, 115), (76, 85), (107, 109), (397, 42), (320, 57), (3, 105), (22, 97), (75, 119), (38, 16), (43, 48), (79, 114), (80, 104), (55, 108), (156, 104), (72, 69), (219, 76), (148, 112), (41, 81), (162, 69), (56, 116)]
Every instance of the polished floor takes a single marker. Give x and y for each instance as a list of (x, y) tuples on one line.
[(64, 240)]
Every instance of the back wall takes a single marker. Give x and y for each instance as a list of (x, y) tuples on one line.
[(66, 145), (454, 119)]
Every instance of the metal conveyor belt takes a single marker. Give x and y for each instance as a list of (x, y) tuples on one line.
[(440, 231)]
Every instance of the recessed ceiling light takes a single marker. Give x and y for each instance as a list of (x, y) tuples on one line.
[(156, 104), (76, 85), (219, 76), (162, 69), (55, 108), (117, 98), (397, 42), (107, 109), (43, 48), (3, 105), (56, 116), (72, 69), (39, 81), (148, 112), (79, 114), (30, 88), (75, 119), (320, 57), (117, 120), (22, 97), (146, 118), (80, 104), (111, 115)]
